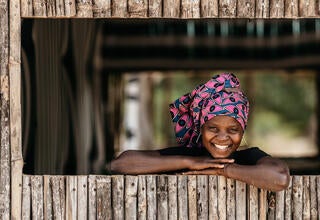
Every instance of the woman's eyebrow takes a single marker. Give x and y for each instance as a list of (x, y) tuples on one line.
[(234, 125)]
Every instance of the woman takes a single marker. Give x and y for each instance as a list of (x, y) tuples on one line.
[(209, 126)]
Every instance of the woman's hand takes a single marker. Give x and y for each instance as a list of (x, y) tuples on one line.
[(205, 163), (211, 171), (269, 173)]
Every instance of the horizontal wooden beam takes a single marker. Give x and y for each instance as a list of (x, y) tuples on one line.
[(184, 9), (174, 64), (176, 40)]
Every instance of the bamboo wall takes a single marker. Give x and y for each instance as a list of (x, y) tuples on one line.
[(44, 196), (171, 8), (165, 197)]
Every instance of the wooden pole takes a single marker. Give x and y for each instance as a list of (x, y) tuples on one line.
[(5, 112), (172, 197), (15, 108)]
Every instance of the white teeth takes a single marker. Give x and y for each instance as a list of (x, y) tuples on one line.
[(221, 147)]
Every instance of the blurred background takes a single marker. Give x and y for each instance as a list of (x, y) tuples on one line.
[(94, 88)]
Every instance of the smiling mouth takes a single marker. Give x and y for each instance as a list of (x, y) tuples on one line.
[(221, 147)]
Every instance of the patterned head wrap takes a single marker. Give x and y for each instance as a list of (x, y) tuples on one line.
[(221, 95)]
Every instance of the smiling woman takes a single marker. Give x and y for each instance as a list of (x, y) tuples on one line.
[(220, 116), (221, 136)]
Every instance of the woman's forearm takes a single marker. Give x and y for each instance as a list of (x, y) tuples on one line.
[(261, 176), (132, 162)]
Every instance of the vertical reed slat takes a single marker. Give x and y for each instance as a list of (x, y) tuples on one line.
[(37, 197), (104, 204), (192, 197), (131, 191), (209, 9), (102, 8), (253, 202), (306, 198), (190, 8), (271, 198), (84, 8), (202, 197), (213, 197), (162, 197), (71, 197), (151, 197), (155, 8), (26, 8), (279, 211), (82, 197), (227, 9), (241, 207), (246, 8), (70, 8), (263, 204), (117, 197), (313, 198), (172, 197), (262, 8), (171, 9), (92, 193), (307, 8), (138, 9), (39, 8), (60, 8), (14, 66), (291, 9), (58, 197), (119, 9), (318, 195), (231, 200), (222, 195), (288, 201), (51, 8), (26, 198), (182, 197), (47, 197), (277, 8), (297, 194), (142, 198)]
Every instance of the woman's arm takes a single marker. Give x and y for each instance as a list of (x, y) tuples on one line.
[(151, 161), (269, 173)]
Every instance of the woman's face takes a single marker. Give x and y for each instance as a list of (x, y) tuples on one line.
[(221, 136)]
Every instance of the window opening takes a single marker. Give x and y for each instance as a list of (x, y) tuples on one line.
[(80, 70)]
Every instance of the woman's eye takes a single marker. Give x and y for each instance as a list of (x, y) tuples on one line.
[(234, 130), (213, 129)]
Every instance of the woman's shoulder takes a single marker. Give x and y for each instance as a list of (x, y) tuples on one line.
[(249, 155), (249, 149)]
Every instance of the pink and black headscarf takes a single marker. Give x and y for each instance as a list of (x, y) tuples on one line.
[(221, 95)]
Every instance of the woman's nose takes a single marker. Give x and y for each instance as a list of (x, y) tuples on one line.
[(222, 136)]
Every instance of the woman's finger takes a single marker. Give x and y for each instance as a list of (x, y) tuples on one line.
[(220, 160), (202, 172)]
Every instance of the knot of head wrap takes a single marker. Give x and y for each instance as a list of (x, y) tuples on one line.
[(221, 95)]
